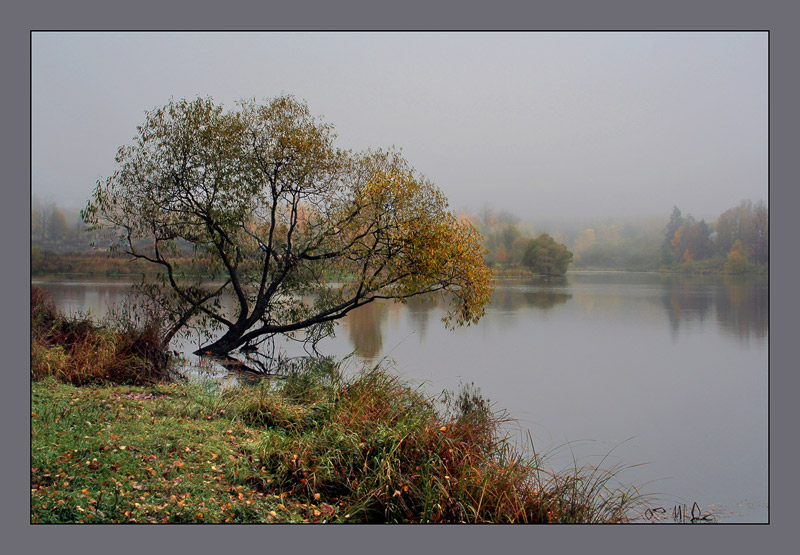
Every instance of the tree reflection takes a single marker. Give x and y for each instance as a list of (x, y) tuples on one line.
[(743, 308), (683, 301), (740, 304), (542, 293), (363, 326), (545, 300), (419, 311)]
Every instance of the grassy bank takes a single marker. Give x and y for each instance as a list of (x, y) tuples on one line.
[(317, 445)]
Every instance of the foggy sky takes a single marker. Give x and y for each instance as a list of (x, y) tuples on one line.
[(543, 125)]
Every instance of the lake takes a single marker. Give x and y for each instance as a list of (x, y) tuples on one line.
[(663, 371)]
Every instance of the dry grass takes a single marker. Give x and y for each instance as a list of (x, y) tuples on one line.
[(389, 453), (77, 351)]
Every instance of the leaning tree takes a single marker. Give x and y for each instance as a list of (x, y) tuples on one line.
[(261, 227)]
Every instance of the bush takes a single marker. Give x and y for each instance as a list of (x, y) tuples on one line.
[(737, 262), (43, 310), (544, 256), (77, 351)]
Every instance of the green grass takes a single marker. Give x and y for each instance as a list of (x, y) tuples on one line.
[(133, 454), (314, 447)]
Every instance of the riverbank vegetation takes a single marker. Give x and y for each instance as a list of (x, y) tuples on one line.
[(681, 244), (114, 440), (76, 350), (633, 244)]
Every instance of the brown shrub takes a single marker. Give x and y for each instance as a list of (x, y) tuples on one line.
[(77, 351)]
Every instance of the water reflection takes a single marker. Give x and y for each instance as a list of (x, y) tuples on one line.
[(545, 300), (539, 294), (738, 306), (741, 305), (419, 311), (743, 308), (684, 301), (364, 327), (90, 298)]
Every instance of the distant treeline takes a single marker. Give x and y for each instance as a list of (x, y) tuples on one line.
[(55, 229), (737, 241)]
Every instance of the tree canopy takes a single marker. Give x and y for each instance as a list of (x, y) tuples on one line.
[(544, 256), (260, 200), (741, 232)]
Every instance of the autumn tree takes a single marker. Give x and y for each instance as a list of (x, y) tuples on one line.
[(57, 227), (760, 237), (586, 239), (737, 262), (500, 232), (692, 240), (668, 252), (747, 223), (271, 209), (544, 255), (42, 215)]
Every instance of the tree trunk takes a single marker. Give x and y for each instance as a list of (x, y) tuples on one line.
[(224, 345)]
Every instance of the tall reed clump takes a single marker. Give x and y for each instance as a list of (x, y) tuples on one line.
[(385, 452), (76, 350)]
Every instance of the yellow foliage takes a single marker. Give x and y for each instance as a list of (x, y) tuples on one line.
[(584, 240)]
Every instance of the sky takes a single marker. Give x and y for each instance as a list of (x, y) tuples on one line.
[(544, 125)]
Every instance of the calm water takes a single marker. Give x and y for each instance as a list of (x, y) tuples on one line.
[(670, 371)]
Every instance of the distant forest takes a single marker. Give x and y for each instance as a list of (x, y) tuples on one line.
[(736, 242)]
